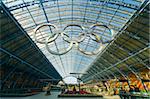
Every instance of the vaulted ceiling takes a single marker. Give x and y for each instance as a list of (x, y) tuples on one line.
[(129, 41), (128, 54)]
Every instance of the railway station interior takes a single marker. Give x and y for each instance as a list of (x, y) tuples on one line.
[(74, 49)]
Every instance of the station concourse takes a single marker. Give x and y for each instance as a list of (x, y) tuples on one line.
[(74, 49)]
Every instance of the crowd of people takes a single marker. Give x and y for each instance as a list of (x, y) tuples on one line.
[(74, 91)]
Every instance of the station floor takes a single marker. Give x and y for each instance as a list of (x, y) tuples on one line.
[(52, 96)]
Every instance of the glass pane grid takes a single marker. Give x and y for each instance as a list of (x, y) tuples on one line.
[(63, 12)]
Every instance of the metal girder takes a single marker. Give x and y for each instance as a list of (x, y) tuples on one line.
[(117, 70), (122, 30), (124, 75), (148, 67), (41, 3), (99, 12), (17, 80), (115, 67), (25, 79), (22, 61), (83, 62), (131, 6), (75, 19), (137, 75), (82, 24), (8, 13), (55, 43), (122, 60), (108, 70), (28, 82), (134, 72), (10, 73), (141, 40), (22, 75), (101, 77), (7, 76), (141, 61), (105, 75), (46, 61), (122, 48), (97, 68)]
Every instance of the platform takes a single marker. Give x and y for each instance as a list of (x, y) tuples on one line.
[(54, 95)]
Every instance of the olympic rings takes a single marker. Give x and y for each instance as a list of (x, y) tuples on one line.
[(58, 53), (76, 41), (51, 38), (95, 52), (40, 26), (98, 39), (82, 35)]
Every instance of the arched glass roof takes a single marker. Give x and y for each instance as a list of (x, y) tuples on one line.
[(30, 13)]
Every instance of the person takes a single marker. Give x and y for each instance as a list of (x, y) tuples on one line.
[(74, 90), (48, 89), (122, 91), (137, 89), (63, 89), (131, 90), (115, 91)]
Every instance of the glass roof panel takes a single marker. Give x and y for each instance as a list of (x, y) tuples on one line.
[(30, 13)]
